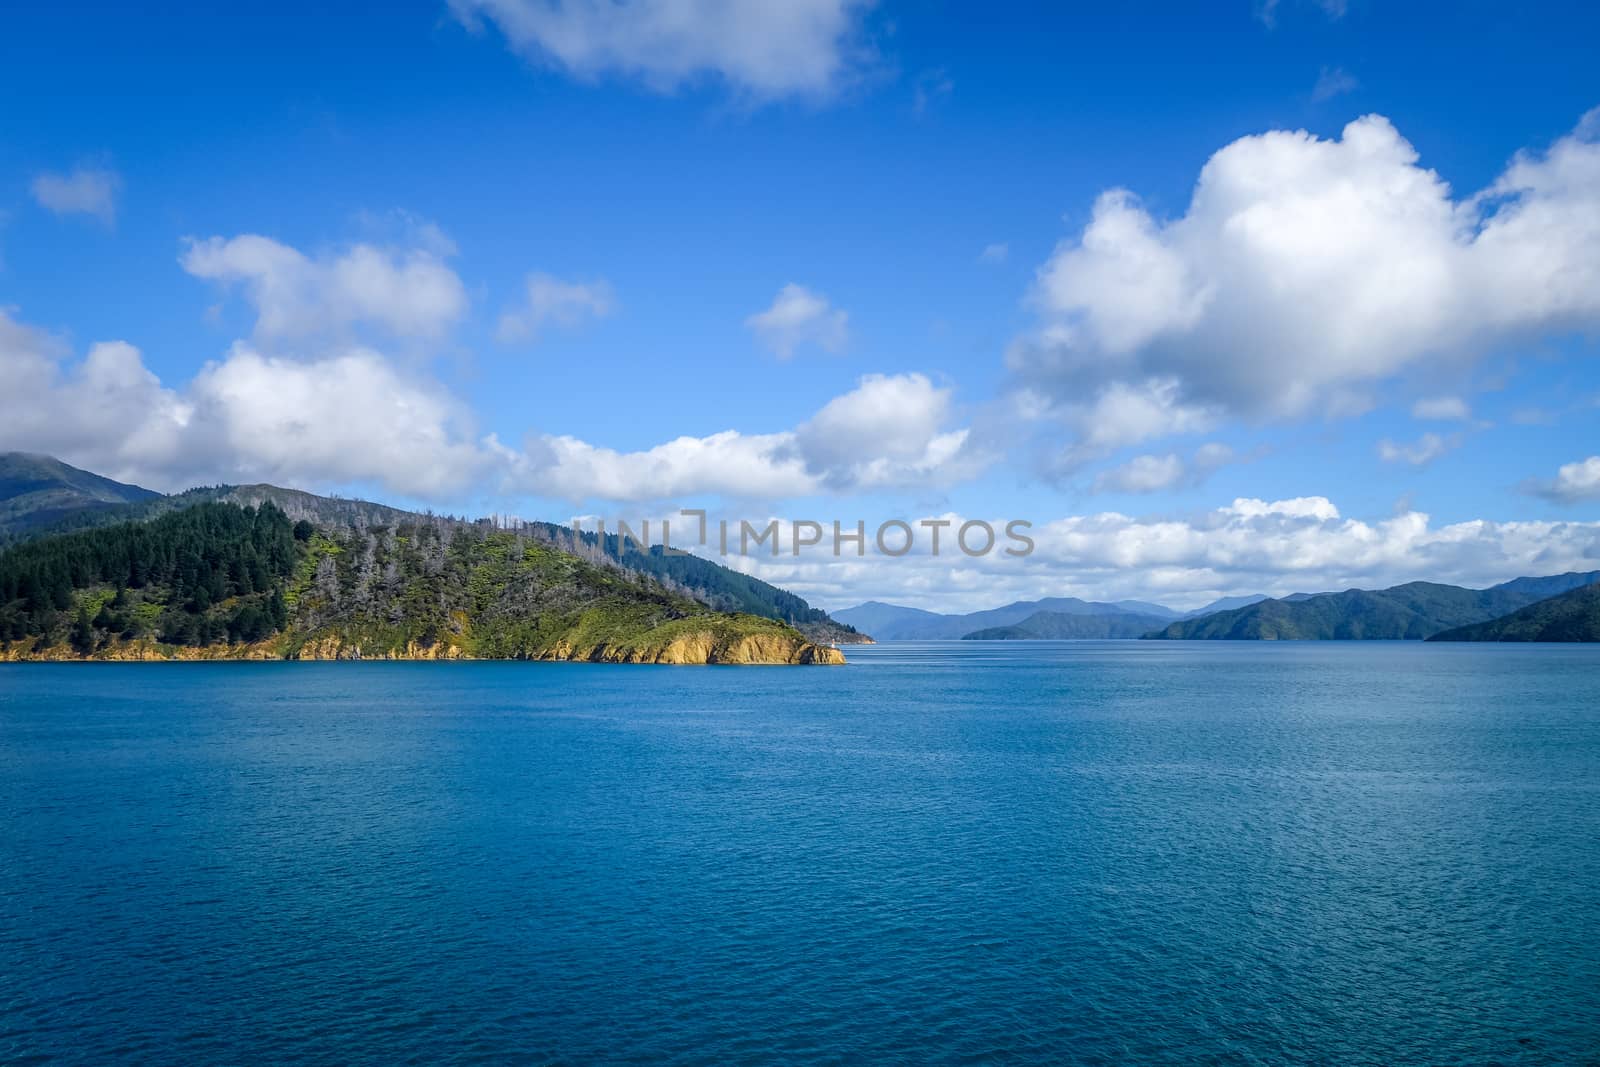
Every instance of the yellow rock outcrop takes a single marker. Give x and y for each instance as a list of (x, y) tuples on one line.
[(696, 647)]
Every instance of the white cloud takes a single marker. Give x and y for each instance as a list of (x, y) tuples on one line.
[(1441, 408), (886, 432), (1114, 416), (797, 317), (408, 294), (994, 253), (1332, 82), (762, 50), (83, 191), (751, 466), (1155, 473), (1143, 474), (1574, 483), (1424, 450), (1307, 273), (1248, 546), (346, 417), (549, 300), (889, 432), (106, 412)]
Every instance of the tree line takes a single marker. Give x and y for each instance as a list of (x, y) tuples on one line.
[(192, 577)]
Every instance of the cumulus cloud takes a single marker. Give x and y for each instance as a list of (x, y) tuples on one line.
[(1115, 416), (761, 50), (549, 300), (1419, 453), (798, 317), (1306, 273), (83, 191), (889, 432), (994, 253), (1574, 483), (105, 411), (409, 294), (346, 415), (758, 466)]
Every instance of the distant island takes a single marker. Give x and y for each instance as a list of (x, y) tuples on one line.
[(99, 570)]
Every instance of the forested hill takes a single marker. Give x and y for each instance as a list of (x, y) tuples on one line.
[(712, 584), (220, 580), (1572, 616), (1413, 611)]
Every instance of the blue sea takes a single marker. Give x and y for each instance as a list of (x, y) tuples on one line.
[(1051, 853)]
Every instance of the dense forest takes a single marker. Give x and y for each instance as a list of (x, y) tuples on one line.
[(205, 574)]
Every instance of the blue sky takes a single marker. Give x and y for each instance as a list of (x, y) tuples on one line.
[(867, 259)]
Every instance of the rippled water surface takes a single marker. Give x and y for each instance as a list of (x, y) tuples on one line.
[(1032, 853)]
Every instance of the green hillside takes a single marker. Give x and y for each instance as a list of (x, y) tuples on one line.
[(218, 580), (37, 492), (1413, 611), (714, 585), (1571, 616)]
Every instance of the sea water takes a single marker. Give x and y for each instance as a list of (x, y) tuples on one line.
[(1075, 852)]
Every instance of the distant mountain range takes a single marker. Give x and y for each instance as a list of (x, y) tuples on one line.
[(1062, 626), (1510, 611), (892, 622), (1016, 621)]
